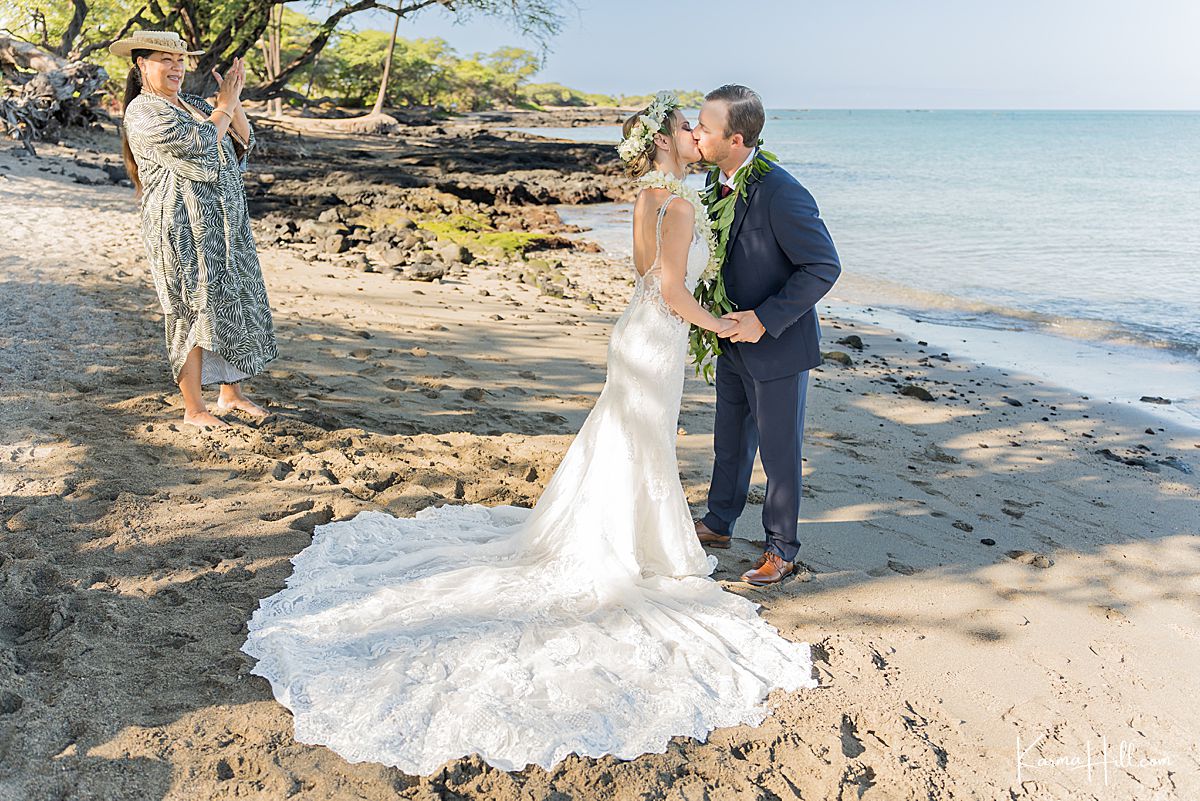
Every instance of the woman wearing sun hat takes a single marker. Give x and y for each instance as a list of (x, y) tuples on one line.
[(186, 159)]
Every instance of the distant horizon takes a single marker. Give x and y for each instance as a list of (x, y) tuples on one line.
[(1085, 55)]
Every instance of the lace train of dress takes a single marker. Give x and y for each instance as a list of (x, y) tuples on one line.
[(586, 625)]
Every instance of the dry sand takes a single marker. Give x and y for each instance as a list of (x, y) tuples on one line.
[(133, 550)]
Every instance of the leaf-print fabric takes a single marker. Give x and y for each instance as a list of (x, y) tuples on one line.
[(198, 241)]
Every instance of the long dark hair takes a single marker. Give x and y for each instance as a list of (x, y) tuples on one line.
[(133, 88)]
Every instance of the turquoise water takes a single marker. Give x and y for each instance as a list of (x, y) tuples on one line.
[(1083, 222)]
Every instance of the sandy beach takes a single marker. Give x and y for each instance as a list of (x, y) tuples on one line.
[(1000, 576)]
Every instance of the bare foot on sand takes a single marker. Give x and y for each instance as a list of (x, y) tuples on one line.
[(243, 404), (204, 420)]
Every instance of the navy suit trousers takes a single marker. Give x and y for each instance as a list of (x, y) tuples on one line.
[(757, 416)]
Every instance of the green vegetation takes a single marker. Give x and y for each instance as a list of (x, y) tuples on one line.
[(425, 72), (283, 46), (317, 58), (555, 94), (429, 72), (476, 237)]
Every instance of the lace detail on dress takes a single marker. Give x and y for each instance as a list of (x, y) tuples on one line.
[(585, 625), (648, 289)]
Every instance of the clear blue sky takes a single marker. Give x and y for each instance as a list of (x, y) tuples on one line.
[(1099, 54)]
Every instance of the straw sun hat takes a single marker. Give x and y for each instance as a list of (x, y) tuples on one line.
[(164, 41)]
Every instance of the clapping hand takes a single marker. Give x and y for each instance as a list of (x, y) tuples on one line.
[(746, 328), (229, 87)]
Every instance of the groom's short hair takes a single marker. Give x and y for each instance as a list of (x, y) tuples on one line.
[(746, 115)]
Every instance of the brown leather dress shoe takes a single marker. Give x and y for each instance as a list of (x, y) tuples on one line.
[(711, 538), (769, 569)]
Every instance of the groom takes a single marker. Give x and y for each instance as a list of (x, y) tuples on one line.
[(780, 260)]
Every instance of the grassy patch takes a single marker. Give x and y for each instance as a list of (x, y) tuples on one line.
[(473, 234)]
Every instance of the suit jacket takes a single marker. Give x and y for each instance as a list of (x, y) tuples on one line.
[(779, 262)]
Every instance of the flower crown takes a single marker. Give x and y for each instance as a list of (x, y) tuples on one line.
[(649, 122)]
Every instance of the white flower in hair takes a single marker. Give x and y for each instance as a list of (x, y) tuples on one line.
[(648, 124)]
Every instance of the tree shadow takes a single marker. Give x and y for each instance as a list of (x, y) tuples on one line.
[(134, 551)]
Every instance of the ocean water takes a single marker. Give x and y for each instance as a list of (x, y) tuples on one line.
[(1084, 223), (1077, 234)]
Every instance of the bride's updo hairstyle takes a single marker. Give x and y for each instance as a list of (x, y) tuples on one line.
[(643, 161)]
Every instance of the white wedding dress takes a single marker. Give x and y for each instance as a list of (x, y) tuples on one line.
[(586, 625)]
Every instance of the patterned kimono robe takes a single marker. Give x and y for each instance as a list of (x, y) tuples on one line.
[(198, 240)]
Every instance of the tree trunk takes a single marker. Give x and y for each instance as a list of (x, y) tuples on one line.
[(237, 37), (276, 55), (387, 67), (312, 77), (270, 44), (59, 93), (73, 28)]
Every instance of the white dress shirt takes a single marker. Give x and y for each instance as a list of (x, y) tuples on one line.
[(727, 180)]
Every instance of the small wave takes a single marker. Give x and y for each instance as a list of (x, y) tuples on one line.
[(946, 309)]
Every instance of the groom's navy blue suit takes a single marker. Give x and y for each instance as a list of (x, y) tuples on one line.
[(779, 262)]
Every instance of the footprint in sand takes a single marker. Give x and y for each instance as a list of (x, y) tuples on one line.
[(1109, 613), (10, 703), (310, 520), (1030, 558), (291, 509)]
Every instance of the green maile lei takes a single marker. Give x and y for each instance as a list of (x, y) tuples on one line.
[(703, 345)]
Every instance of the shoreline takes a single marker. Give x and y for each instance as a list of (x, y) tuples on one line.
[(1122, 371)]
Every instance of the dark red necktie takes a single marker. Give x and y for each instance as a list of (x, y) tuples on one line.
[(726, 190)]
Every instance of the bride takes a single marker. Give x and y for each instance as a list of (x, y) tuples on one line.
[(586, 625)]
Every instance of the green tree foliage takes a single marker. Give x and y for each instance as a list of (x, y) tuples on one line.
[(225, 29), (688, 99), (555, 94), (320, 56), (425, 72)]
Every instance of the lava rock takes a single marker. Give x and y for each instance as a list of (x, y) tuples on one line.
[(914, 391), (426, 272), (852, 341), (454, 254), (336, 244)]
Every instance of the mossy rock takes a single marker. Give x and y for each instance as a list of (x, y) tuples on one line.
[(473, 234), (841, 357)]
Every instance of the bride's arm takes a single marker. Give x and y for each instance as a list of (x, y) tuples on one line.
[(677, 230)]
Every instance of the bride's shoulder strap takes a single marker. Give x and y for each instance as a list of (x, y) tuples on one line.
[(662, 212)]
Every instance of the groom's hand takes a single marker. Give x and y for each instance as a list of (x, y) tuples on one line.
[(748, 329)]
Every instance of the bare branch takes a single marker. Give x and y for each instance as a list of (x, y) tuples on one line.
[(14, 35), (39, 24), (129, 23)]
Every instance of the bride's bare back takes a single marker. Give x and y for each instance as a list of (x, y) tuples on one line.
[(646, 211)]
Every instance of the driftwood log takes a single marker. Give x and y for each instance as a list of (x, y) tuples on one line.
[(41, 93)]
